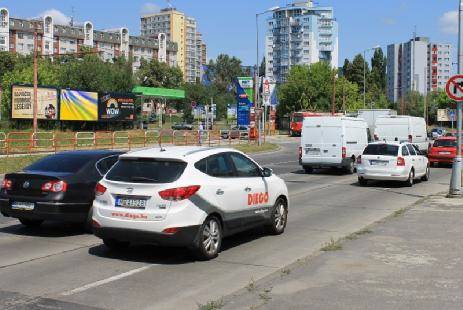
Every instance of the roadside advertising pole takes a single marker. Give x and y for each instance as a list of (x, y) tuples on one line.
[(455, 183), (35, 79)]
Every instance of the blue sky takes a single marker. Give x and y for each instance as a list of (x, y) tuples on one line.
[(229, 26)]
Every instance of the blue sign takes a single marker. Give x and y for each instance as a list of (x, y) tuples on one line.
[(244, 106), (452, 115)]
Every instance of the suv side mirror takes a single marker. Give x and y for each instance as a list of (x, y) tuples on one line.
[(267, 172)]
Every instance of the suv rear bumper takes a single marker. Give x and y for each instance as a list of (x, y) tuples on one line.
[(185, 237), (48, 210)]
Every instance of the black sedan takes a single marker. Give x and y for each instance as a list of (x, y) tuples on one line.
[(58, 187), (182, 126)]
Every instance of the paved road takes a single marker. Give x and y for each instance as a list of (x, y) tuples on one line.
[(58, 266)]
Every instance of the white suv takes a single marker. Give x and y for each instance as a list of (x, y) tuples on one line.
[(392, 161), (187, 197)]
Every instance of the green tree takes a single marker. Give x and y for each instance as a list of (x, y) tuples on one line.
[(355, 71), (223, 71), (377, 76), (7, 63), (262, 68), (158, 74)]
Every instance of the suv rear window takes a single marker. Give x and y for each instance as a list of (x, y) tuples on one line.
[(146, 170), (445, 143), (60, 163), (382, 149)]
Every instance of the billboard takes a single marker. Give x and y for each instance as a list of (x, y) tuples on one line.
[(446, 115), (247, 84), (22, 100), (116, 107), (78, 106)]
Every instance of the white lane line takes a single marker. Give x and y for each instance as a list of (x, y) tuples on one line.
[(105, 281)]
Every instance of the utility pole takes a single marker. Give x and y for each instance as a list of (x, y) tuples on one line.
[(333, 98), (455, 182), (35, 76)]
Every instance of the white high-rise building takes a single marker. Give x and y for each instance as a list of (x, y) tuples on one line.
[(417, 65), (300, 34)]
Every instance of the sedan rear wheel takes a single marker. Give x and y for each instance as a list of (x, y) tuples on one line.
[(30, 223), (210, 239), (411, 178)]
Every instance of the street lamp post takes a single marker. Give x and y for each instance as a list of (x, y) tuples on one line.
[(257, 86), (455, 182), (365, 74)]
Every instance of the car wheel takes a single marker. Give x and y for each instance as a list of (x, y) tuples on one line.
[(308, 169), (30, 223), (427, 176), (116, 245), (351, 167), (363, 182), (279, 218), (411, 178), (209, 240)]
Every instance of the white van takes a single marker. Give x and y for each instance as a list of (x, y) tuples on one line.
[(402, 128), (332, 142), (371, 115)]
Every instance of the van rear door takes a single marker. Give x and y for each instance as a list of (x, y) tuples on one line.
[(323, 142)]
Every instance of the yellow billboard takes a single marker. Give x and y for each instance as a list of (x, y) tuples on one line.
[(78, 106), (22, 100)]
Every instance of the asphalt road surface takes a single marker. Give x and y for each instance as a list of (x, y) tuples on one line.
[(58, 266)]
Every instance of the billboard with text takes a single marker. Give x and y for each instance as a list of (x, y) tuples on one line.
[(22, 100), (116, 107)]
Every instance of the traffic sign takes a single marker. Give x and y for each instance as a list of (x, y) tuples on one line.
[(454, 88), (452, 114)]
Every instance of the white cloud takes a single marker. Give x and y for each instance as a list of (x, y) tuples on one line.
[(449, 22), (150, 8), (58, 17)]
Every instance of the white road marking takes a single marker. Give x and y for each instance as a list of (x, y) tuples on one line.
[(105, 281)]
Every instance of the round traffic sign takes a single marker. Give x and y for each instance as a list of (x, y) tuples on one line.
[(454, 88)]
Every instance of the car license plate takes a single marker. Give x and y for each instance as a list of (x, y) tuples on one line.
[(378, 163), (23, 206), (312, 151), (131, 203), (444, 153)]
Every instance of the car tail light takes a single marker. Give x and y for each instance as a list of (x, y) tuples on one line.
[(344, 152), (55, 187), (400, 162), (359, 160), (179, 193), (410, 138), (170, 231), (7, 184), (300, 152), (99, 189)]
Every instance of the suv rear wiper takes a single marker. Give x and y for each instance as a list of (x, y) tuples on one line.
[(143, 179)]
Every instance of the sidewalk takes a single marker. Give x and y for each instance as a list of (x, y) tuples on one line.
[(412, 260)]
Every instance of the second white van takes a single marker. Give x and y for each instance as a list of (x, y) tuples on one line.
[(332, 142), (402, 128)]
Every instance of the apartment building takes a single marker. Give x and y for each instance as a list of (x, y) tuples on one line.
[(417, 65), (182, 30), (17, 35), (300, 34)]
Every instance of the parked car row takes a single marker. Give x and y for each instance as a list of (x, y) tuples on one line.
[(178, 196)]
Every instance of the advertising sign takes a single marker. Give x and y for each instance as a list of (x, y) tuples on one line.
[(162, 51), (231, 112), (78, 106), (116, 107), (446, 115), (247, 84), (22, 100), (269, 92)]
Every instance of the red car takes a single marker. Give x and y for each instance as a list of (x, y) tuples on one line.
[(443, 151)]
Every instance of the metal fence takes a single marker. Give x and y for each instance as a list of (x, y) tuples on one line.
[(45, 142)]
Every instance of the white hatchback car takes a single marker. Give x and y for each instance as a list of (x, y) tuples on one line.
[(187, 197), (392, 161)]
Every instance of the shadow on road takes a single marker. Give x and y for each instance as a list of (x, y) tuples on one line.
[(46, 230), (330, 172), (169, 256)]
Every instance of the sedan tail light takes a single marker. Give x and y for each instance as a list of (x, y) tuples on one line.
[(300, 152), (99, 189), (7, 184), (179, 193), (359, 160), (55, 187), (400, 162)]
